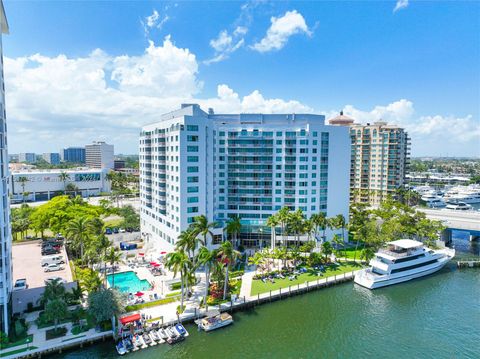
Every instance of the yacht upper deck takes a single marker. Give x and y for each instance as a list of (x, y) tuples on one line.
[(401, 248)]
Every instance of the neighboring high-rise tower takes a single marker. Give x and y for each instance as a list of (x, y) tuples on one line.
[(99, 155), (380, 155), (247, 165), (5, 233)]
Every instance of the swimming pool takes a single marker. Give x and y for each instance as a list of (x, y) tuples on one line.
[(128, 282)]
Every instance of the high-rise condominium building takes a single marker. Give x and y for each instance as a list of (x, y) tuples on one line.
[(27, 157), (380, 155), (74, 154), (52, 157), (5, 233), (99, 155), (247, 165)]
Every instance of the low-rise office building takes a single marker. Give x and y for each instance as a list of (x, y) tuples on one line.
[(27, 157), (42, 185), (74, 155)]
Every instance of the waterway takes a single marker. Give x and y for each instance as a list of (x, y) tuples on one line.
[(433, 317)]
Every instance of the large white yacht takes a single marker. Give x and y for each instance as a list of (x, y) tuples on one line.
[(402, 260), (458, 206), (433, 201)]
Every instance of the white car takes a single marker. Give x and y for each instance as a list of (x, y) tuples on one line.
[(59, 279), (121, 230), (20, 284), (53, 268)]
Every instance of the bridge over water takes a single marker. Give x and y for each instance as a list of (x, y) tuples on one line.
[(467, 221)]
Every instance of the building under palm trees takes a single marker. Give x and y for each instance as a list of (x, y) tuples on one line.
[(239, 165)]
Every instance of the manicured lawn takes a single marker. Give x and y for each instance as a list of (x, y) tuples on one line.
[(18, 351), (172, 294), (18, 342), (350, 252), (258, 287)]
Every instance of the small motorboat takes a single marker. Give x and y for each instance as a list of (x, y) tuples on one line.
[(214, 320), (180, 329), (154, 335), (128, 344), (121, 350), (146, 339), (152, 338), (175, 339), (140, 342), (162, 333)]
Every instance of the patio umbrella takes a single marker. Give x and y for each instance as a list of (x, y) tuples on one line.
[(156, 265), (153, 263), (139, 294), (163, 252), (141, 254)]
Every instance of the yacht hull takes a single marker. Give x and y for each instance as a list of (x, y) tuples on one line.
[(383, 281)]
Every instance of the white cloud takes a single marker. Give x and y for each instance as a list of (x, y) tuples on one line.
[(154, 21), (225, 44), (280, 31), (431, 134), (240, 30), (58, 101), (401, 4)]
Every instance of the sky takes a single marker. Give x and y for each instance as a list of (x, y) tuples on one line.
[(78, 71)]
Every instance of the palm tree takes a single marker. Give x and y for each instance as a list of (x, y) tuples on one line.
[(178, 262), (202, 227), (296, 224), (64, 176), (283, 215), (53, 289), (228, 255), (341, 223), (78, 233), (338, 243), (234, 226), (206, 258), (321, 223), (23, 181), (187, 241), (272, 222), (258, 259), (113, 256), (102, 244)]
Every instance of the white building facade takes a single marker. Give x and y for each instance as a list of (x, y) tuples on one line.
[(245, 165), (5, 231), (42, 185), (99, 155)]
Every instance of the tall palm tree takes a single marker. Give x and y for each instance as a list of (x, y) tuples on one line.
[(258, 259), (64, 177), (187, 241), (78, 233), (102, 245), (206, 258), (283, 215), (178, 262), (228, 255), (338, 242), (113, 256), (341, 223), (272, 222), (23, 181), (296, 224), (202, 227), (53, 289), (234, 226), (321, 223)]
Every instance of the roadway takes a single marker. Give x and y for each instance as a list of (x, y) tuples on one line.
[(463, 220)]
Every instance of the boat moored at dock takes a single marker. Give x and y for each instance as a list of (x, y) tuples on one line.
[(402, 260), (214, 320)]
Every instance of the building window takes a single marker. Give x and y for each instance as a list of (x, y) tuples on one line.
[(192, 128), (192, 158), (192, 148), (192, 189), (192, 138), (192, 210), (192, 179), (192, 169)]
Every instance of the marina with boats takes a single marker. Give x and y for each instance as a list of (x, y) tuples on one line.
[(459, 198)]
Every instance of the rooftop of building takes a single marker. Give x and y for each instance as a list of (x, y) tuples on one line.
[(342, 120), (27, 171), (195, 110)]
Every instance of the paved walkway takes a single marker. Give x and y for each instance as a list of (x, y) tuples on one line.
[(246, 289)]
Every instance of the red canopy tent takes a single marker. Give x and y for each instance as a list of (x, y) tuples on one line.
[(141, 254), (153, 263), (156, 265), (130, 318), (139, 294)]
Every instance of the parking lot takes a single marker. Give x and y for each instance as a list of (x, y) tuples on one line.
[(27, 259)]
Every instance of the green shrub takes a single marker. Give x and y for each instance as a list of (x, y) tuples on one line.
[(52, 333), (175, 286), (131, 308)]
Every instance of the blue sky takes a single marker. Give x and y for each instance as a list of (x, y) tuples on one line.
[(79, 71)]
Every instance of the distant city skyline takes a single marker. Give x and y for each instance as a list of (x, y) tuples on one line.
[(373, 60)]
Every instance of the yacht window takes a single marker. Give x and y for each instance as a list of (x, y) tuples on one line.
[(400, 260), (413, 267)]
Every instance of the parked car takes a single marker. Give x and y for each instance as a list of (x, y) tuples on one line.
[(108, 231), (55, 259), (20, 284), (115, 230), (122, 230), (129, 230), (59, 279), (53, 268), (49, 251)]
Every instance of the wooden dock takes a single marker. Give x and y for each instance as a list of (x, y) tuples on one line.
[(469, 263)]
